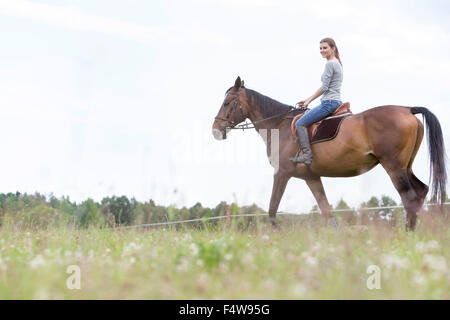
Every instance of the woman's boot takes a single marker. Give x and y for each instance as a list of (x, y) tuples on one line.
[(303, 139)]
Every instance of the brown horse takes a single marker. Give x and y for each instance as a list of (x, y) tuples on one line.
[(389, 135)]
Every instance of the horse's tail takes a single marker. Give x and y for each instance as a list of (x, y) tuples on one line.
[(436, 147)]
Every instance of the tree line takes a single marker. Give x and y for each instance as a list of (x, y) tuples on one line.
[(37, 210)]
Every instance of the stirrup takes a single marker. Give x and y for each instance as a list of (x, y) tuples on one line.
[(301, 158)]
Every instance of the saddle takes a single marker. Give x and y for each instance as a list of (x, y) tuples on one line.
[(326, 128)]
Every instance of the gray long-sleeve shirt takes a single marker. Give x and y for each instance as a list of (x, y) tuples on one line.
[(332, 80)]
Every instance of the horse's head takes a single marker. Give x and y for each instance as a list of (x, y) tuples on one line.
[(232, 112)]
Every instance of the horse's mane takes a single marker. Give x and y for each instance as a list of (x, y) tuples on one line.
[(268, 106)]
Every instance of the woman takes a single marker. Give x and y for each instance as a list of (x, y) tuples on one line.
[(330, 101)]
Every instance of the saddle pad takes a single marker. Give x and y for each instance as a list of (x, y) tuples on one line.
[(327, 129)]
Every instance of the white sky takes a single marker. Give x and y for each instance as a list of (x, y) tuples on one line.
[(106, 98)]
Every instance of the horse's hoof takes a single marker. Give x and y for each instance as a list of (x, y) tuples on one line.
[(332, 222), (274, 224)]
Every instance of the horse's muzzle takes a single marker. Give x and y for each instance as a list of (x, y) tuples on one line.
[(219, 134)]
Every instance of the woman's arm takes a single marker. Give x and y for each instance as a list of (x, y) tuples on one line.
[(326, 79), (304, 103)]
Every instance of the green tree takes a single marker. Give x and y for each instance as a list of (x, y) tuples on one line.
[(387, 213), (344, 212), (196, 212), (88, 213), (120, 207)]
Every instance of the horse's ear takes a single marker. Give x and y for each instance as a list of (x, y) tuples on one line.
[(242, 83), (238, 84)]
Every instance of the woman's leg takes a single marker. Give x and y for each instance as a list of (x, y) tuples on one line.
[(313, 115), (318, 113), (321, 111)]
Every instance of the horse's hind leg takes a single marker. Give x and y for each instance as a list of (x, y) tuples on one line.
[(397, 157), (420, 187), (410, 199), (400, 176)]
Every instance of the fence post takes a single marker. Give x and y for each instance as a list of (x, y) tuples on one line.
[(228, 213)]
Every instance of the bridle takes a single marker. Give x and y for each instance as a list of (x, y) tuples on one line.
[(232, 110), (247, 125)]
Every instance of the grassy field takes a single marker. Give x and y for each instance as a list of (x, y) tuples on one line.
[(303, 261)]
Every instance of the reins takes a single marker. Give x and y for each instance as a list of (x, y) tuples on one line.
[(247, 125)]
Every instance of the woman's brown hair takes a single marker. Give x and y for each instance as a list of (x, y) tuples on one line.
[(332, 44)]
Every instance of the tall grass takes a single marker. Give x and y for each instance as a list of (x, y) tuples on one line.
[(303, 260)]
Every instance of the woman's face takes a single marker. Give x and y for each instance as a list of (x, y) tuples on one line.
[(326, 51)]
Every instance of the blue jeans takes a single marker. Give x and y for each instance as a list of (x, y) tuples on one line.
[(324, 109)]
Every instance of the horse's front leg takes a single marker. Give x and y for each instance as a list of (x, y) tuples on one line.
[(280, 181), (316, 187)]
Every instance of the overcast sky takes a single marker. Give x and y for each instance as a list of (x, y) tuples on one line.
[(102, 98)]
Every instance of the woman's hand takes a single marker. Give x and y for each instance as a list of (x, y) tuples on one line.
[(303, 103)]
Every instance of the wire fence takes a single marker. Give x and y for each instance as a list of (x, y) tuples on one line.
[(205, 219)]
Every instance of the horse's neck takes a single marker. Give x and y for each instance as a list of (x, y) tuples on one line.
[(267, 129), (258, 118)]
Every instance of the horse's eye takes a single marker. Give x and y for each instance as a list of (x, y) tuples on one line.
[(226, 103)]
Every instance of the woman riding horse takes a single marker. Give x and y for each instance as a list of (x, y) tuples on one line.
[(330, 101), (389, 135)]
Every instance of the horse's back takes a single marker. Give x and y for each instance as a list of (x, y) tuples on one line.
[(388, 113), (363, 139)]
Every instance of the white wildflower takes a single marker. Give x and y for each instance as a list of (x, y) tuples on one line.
[(154, 253), (305, 254), (299, 290), (425, 247), (202, 282), (200, 263), (223, 267), (37, 262), (291, 258), (269, 284), (131, 248), (2, 265), (42, 294), (433, 245), (419, 279), (228, 256), (392, 261), (312, 261), (194, 249), (265, 237), (248, 259), (182, 266), (316, 247), (435, 263)]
